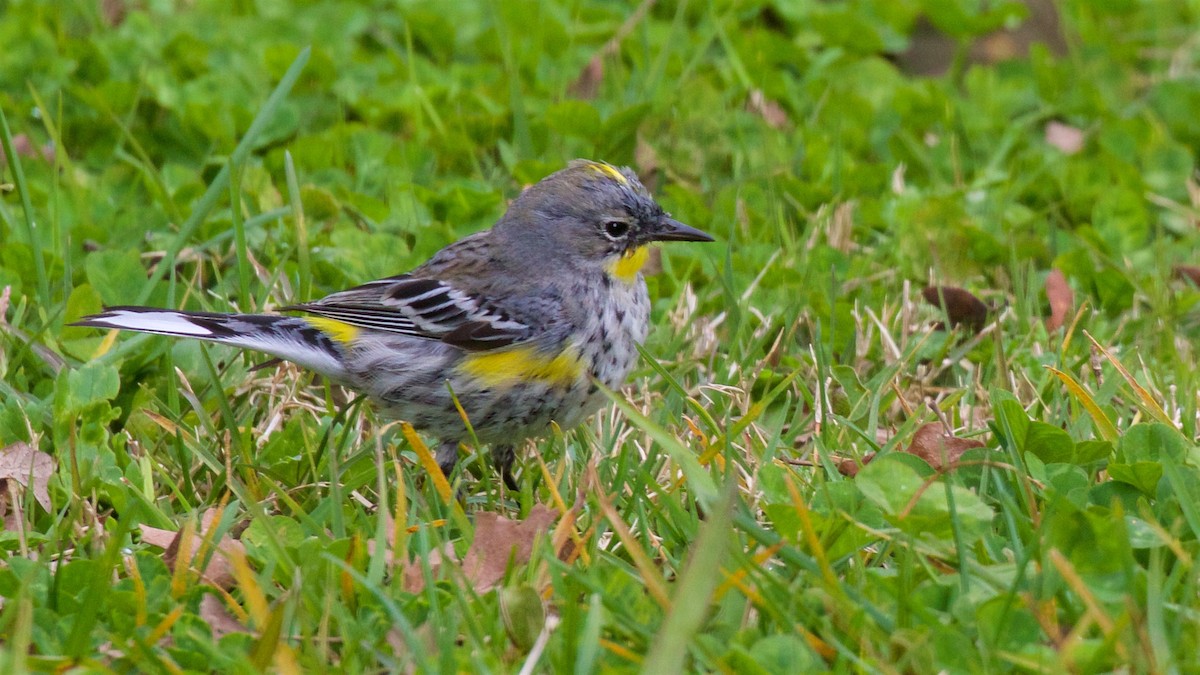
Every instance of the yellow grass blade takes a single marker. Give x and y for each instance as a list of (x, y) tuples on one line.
[(1147, 399), (428, 462), (1104, 426)]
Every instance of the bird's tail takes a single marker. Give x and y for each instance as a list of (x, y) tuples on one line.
[(298, 340)]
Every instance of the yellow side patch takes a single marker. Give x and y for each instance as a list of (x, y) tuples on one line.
[(338, 331), (626, 267), (523, 364), (610, 171)]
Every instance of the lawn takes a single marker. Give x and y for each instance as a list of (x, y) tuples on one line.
[(929, 404)]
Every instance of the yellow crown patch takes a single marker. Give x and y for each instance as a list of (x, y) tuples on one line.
[(610, 171)]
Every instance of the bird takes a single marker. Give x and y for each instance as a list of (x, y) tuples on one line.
[(521, 323)]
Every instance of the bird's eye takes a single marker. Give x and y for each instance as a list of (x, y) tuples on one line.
[(616, 229)]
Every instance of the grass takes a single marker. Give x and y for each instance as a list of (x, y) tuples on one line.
[(726, 513)]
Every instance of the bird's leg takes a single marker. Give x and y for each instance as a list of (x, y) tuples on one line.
[(504, 456), (447, 456)]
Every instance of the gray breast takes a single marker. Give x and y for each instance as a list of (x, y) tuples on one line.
[(613, 333)]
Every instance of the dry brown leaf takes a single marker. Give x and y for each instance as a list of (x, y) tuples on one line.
[(12, 519), (113, 12), (30, 468), (156, 536), (929, 443), (499, 540), (24, 147), (413, 577), (389, 548), (997, 47), (220, 621), (587, 85), (1188, 273), (851, 467), (961, 307), (1068, 139), (938, 448), (219, 569), (771, 112), (932, 52), (1062, 299), (423, 634), (395, 640)]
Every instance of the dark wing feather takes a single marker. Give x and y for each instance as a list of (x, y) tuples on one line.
[(422, 307)]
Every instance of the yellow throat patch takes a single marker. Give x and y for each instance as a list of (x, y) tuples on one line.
[(524, 364), (338, 331), (626, 267)]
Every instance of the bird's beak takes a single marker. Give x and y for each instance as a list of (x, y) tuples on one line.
[(672, 230)]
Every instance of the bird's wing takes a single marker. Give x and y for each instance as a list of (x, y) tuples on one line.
[(423, 307)]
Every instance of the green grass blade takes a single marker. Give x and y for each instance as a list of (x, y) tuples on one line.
[(22, 187), (698, 478), (303, 259), (694, 592)]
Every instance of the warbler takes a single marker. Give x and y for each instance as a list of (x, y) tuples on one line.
[(519, 322)]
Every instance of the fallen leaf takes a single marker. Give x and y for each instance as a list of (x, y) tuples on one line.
[(771, 112), (998, 47), (1062, 299), (851, 467), (1065, 137), (30, 468), (961, 307), (931, 52), (156, 536), (24, 147), (11, 519), (113, 12), (220, 621), (389, 544), (1189, 273), (219, 569), (499, 540), (401, 642), (587, 85), (566, 539), (937, 448), (413, 577)]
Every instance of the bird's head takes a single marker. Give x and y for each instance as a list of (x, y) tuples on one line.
[(592, 214)]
